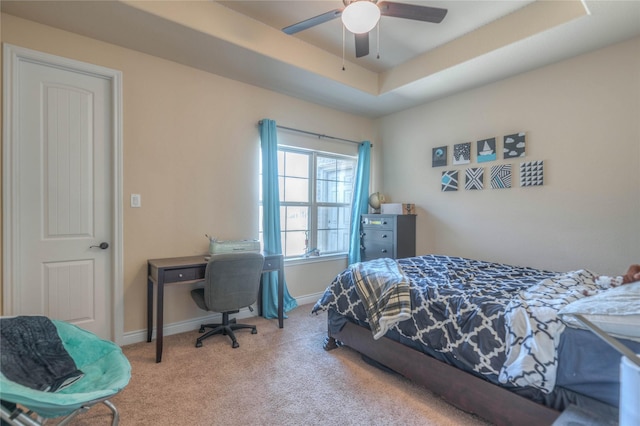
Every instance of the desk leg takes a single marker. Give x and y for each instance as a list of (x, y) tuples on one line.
[(149, 309), (260, 290), (159, 321), (281, 297)]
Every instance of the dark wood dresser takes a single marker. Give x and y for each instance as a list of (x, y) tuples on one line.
[(387, 235)]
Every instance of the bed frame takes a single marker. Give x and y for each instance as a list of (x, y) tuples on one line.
[(462, 390)]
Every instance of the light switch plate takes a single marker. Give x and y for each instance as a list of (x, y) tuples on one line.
[(136, 201)]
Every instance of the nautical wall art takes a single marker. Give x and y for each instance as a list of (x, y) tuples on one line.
[(532, 173), (486, 149), (514, 145), (501, 176), (474, 178), (462, 153), (449, 181), (439, 156)]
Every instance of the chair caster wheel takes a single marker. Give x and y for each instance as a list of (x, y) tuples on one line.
[(198, 344), (235, 345), (201, 330), (254, 331)]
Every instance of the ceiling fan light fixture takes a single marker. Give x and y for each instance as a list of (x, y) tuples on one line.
[(361, 16)]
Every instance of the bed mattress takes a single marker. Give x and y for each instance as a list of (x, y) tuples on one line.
[(586, 366)]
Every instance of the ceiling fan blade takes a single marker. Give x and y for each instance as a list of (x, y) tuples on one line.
[(312, 22), (362, 45), (412, 11)]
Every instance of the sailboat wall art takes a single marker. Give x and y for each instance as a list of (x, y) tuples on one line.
[(486, 150)]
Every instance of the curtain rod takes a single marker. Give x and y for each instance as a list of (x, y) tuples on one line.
[(320, 136)]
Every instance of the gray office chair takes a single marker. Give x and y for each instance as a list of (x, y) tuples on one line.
[(231, 282)]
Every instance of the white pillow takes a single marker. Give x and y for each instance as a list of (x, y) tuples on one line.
[(616, 311)]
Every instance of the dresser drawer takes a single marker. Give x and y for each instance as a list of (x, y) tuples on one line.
[(377, 236), (374, 250), (187, 274), (382, 222), (387, 235)]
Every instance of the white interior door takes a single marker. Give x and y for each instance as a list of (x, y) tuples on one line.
[(62, 204)]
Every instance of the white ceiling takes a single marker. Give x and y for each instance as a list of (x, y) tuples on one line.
[(400, 39), (478, 42)]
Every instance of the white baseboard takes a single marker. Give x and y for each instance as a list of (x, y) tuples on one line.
[(310, 298), (138, 336)]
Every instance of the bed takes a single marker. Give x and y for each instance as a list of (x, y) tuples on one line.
[(492, 339)]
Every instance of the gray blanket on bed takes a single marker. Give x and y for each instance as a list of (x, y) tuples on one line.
[(384, 291), (32, 354)]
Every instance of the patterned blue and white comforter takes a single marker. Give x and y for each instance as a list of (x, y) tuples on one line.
[(498, 320)]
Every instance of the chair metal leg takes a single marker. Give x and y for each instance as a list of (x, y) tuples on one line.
[(15, 416), (72, 415), (114, 410), (84, 408)]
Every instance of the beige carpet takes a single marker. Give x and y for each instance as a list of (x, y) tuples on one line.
[(276, 377)]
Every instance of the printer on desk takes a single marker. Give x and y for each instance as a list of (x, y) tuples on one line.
[(232, 246)]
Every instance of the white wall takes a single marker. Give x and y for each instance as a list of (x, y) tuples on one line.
[(581, 116)]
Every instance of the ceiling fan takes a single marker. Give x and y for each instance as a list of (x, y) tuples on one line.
[(361, 16)]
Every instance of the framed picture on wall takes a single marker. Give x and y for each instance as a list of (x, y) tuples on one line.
[(439, 156), (486, 149), (474, 178), (532, 173), (449, 181), (462, 153), (514, 145), (501, 176)]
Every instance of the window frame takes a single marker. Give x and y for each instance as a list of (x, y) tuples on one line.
[(312, 204)]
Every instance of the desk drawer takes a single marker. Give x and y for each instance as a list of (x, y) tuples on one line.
[(186, 274), (272, 263)]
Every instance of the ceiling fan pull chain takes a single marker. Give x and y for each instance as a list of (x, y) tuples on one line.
[(378, 40), (343, 48)]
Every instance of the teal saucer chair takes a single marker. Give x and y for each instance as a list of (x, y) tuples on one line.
[(106, 372)]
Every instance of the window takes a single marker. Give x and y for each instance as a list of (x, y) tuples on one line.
[(315, 201)]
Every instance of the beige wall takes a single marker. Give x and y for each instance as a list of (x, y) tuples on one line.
[(1, 124), (191, 149), (581, 116)]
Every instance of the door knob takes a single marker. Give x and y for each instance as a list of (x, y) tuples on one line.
[(102, 245)]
